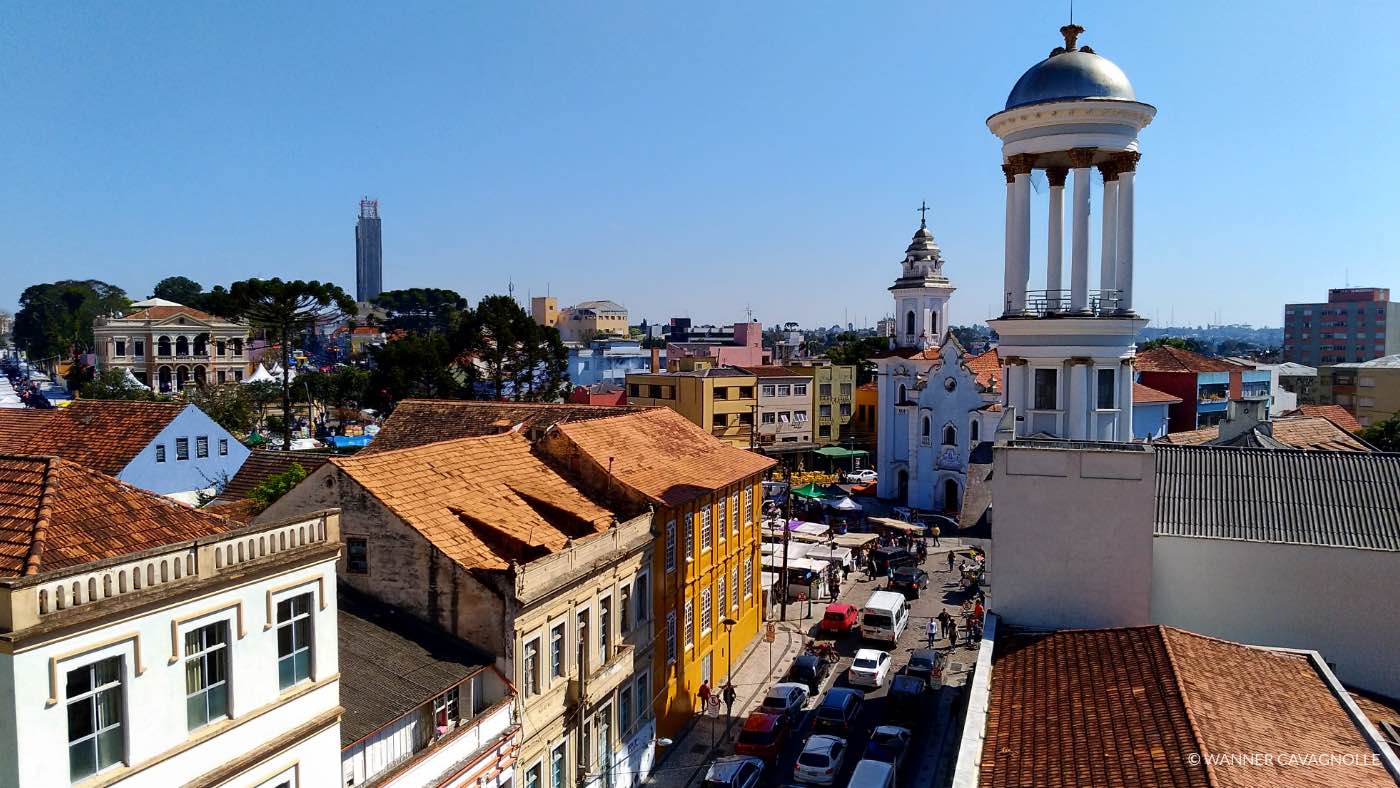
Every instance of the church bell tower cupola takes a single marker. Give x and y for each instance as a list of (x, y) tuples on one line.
[(921, 292)]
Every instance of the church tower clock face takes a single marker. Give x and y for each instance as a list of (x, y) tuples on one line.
[(949, 383)]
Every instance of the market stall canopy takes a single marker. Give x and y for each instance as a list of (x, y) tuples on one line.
[(132, 381), (853, 541), (260, 375), (812, 491), (898, 525), (810, 529), (838, 453), (776, 562), (769, 579), (846, 505), (794, 549)]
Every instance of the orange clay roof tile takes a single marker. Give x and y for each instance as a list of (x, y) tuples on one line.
[(1336, 414), (103, 435)]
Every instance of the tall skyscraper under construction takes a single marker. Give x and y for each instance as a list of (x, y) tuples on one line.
[(369, 253)]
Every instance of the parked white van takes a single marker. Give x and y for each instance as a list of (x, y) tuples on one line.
[(884, 616), (872, 774)]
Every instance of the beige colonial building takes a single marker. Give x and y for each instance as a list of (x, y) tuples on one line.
[(166, 345), (483, 538)]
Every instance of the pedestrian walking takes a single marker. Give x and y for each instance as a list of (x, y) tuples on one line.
[(936, 533), (704, 694), (952, 634), (950, 560), (932, 631)]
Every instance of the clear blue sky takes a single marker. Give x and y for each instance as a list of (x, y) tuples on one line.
[(679, 158)]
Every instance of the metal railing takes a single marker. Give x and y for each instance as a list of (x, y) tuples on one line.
[(1043, 303)]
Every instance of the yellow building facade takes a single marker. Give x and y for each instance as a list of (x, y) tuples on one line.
[(721, 400)]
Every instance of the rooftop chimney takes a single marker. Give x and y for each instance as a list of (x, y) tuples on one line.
[(655, 359), (1243, 415)]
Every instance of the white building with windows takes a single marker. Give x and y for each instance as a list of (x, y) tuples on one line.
[(1067, 353), (145, 643), (936, 402), (166, 346)]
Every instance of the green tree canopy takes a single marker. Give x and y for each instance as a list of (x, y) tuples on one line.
[(422, 310), (417, 365), (277, 485), (55, 319), (1384, 435), (1182, 343), (230, 405), (113, 383), (181, 290), (515, 358), (856, 351), (283, 311)]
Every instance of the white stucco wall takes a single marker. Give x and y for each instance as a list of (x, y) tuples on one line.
[(1073, 537), (1343, 603), (435, 766), (154, 714)]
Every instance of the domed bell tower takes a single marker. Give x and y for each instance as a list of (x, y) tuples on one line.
[(921, 292), (1067, 352)]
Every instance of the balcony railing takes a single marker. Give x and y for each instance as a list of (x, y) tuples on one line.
[(1049, 303)]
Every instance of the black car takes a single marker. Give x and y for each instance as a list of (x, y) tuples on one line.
[(923, 663), (884, 558), (909, 580), (809, 669), (838, 710), (907, 696)]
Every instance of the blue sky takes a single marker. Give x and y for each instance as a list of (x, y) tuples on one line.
[(695, 159)]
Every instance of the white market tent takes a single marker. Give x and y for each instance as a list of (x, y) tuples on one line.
[(132, 381), (260, 375), (846, 505)]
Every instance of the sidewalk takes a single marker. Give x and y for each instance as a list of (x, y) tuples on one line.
[(691, 753)]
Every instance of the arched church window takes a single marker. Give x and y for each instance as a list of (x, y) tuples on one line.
[(901, 399), (974, 433), (933, 322), (909, 322), (926, 427), (950, 436)]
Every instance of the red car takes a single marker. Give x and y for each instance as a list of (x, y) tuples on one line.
[(839, 618), (763, 736)]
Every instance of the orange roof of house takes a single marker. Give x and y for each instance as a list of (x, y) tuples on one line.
[(483, 501), (1139, 706), (104, 435), (1146, 395), (163, 312), (1297, 432), (55, 514), (1165, 358), (662, 455), (1336, 414), (416, 422), (263, 463), (987, 367), (18, 425)]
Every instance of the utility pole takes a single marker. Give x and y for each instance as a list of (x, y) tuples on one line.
[(787, 506)]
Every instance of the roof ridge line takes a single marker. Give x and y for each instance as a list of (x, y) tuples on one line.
[(42, 516), (1186, 705), (340, 460)]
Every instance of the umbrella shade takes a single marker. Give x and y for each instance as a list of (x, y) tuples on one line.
[(846, 505), (809, 491)]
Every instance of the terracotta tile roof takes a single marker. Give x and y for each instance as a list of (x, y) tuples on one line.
[(1165, 358), (1336, 414), (18, 425), (1294, 432), (661, 455), (778, 372), (416, 422), (55, 514), (242, 511), (103, 435), (164, 312), (482, 501), (987, 367), (1136, 706), (262, 463), (1146, 395)]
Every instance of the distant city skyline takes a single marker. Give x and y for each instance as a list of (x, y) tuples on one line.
[(662, 160)]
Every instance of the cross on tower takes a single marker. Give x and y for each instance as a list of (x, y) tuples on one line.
[(923, 211)]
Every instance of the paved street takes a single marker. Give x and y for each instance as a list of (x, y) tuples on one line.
[(685, 764)]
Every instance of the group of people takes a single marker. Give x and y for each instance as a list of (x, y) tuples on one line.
[(944, 625)]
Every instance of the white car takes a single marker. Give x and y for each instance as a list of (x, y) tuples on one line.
[(734, 771), (863, 476), (786, 699), (870, 668), (820, 760)]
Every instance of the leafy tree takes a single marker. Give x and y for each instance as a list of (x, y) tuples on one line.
[(856, 351), (218, 301), (1183, 343), (1384, 435), (651, 342), (181, 290), (79, 375), (113, 383), (517, 358), (277, 485), (284, 311), (229, 405), (55, 319), (422, 310), (262, 394), (417, 365)]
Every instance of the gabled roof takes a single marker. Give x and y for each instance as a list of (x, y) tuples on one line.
[(1144, 706), (104, 435), (55, 514), (262, 463), (1165, 358), (483, 502), (1292, 432), (1336, 414), (1393, 360), (1146, 395), (1323, 498), (390, 664), (661, 455), (987, 367), (18, 425), (167, 312), (416, 422)]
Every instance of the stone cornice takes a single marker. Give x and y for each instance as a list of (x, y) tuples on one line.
[(1055, 113), (1020, 164), (1082, 158)]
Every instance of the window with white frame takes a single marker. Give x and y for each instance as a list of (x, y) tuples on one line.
[(477, 685), (671, 637), (95, 706), (1107, 392), (734, 514), (768, 389), (201, 446), (447, 712), (624, 710), (643, 694), (734, 588), (721, 587), (533, 776), (643, 598), (294, 640), (785, 390), (206, 674), (671, 546), (625, 614), (223, 443), (558, 765), (604, 629), (689, 624), (799, 389), (722, 516), (706, 530), (768, 417), (532, 667), (182, 448), (748, 506), (556, 650), (689, 538), (1046, 390), (748, 577), (160, 452), (707, 610)]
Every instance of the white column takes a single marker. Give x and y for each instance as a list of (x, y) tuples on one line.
[(1108, 250), (1079, 241), (1125, 403), (1127, 166), (1055, 253), (1023, 408), (1023, 235), (1078, 405), (1009, 272)]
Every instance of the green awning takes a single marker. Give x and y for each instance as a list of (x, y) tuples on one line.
[(809, 491), (838, 453)]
